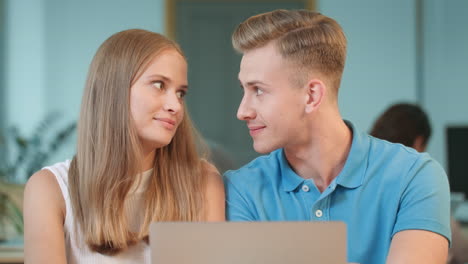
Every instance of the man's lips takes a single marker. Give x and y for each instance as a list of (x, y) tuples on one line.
[(255, 129)]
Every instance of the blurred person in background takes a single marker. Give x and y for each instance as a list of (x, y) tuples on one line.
[(409, 125)]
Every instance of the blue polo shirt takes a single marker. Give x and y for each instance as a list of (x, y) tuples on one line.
[(383, 188)]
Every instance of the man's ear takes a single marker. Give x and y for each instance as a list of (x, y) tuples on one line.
[(315, 93), (419, 144)]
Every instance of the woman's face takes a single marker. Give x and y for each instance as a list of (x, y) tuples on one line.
[(157, 99)]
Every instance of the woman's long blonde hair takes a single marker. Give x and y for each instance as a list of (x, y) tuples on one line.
[(109, 155)]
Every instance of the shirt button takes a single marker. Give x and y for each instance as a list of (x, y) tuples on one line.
[(305, 188), (318, 213)]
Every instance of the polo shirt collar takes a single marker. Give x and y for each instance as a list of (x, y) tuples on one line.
[(353, 172), (289, 179)]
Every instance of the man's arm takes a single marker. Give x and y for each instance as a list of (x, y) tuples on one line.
[(418, 246), (237, 208), (422, 230)]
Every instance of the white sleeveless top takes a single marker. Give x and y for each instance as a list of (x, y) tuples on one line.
[(76, 249)]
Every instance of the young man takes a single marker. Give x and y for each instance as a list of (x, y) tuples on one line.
[(394, 201)]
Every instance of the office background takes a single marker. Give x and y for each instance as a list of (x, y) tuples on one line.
[(400, 50)]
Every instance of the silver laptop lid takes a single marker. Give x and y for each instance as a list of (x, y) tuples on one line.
[(248, 243)]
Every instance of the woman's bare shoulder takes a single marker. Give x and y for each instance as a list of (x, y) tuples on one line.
[(215, 198), (209, 169), (44, 216), (42, 189)]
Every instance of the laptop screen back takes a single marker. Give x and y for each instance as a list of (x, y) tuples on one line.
[(248, 242)]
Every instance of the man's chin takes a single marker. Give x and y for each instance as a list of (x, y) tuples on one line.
[(263, 149)]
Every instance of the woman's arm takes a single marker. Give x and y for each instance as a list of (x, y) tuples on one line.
[(214, 196), (44, 215)]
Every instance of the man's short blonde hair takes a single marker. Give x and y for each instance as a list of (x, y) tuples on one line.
[(310, 40)]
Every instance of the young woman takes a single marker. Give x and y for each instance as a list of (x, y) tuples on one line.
[(136, 161)]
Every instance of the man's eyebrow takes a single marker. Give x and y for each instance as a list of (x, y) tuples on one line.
[(253, 83)]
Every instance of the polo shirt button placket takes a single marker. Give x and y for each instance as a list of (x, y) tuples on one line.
[(305, 188)]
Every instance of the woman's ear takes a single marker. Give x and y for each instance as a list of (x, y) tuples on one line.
[(315, 92)]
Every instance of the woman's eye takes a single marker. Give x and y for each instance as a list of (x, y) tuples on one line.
[(181, 94), (158, 84)]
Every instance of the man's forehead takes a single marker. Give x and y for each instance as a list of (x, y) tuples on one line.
[(258, 62), (265, 53), (251, 71)]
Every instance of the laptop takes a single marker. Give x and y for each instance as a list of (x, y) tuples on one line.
[(248, 242)]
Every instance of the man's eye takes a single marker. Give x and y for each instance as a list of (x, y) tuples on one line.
[(258, 91), (181, 94), (158, 84)]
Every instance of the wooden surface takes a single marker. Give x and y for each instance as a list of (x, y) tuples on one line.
[(12, 251), (11, 257)]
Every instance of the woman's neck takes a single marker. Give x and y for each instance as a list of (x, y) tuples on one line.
[(148, 160)]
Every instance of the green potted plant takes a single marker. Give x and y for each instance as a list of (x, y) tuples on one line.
[(20, 157)]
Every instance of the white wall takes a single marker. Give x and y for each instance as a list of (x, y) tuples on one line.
[(381, 62), (446, 69), (25, 63), (50, 45), (74, 31), (3, 107)]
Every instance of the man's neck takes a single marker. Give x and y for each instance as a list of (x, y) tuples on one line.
[(323, 157)]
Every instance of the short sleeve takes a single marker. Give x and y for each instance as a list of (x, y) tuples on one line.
[(237, 207), (425, 199)]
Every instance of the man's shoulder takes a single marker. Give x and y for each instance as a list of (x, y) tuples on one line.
[(400, 158), (255, 170), (388, 149)]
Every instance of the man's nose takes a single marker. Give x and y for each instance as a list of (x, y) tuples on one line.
[(245, 110)]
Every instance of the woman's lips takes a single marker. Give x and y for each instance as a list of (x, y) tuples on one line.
[(166, 122)]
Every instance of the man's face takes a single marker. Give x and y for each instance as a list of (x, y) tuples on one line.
[(272, 106)]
